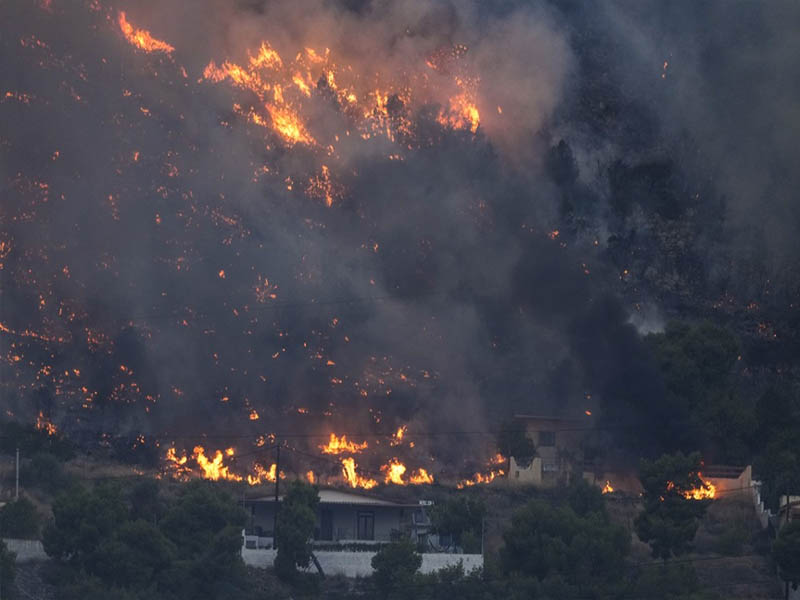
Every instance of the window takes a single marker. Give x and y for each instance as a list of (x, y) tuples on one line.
[(547, 438), (549, 467), (366, 526), (326, 524)]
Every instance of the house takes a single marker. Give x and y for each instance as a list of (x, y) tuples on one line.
[(559, 451), (345, 517), (349, 530)]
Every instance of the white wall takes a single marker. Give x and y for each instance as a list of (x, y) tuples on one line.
[(358, 564), (26, 550)]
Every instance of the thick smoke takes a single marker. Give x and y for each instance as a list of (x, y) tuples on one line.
[(183, 289)]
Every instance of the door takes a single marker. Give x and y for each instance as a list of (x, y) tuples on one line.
[(366, 526)]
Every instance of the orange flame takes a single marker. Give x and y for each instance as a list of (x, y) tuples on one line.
[(142, 38), (393, 472), (340, 445), (607, 488), (262, 474), (705, 491), (215, 469), (397, 437), (421, 477), (353, 478), (480, 478)]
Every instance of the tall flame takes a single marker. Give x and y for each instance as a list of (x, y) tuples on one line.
[(353, 478)]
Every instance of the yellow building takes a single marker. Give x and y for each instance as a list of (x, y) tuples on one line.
[(559, 451)]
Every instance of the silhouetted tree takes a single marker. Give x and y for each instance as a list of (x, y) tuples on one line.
[(671, 516)]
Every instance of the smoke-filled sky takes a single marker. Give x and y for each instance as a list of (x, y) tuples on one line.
[(173, 264)]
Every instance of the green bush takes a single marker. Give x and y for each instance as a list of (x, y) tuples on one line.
[(20, 520)]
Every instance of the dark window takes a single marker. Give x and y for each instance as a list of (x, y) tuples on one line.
[(547, 438), (326, 524), (366, 526)]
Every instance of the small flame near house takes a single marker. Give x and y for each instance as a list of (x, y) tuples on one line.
[(706, 491)]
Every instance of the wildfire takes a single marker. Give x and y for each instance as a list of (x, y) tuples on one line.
[(262, 475), (353, 478), (397, 437), (706, 491), (607, 488), (491, 475), (340, 445), (43, 424), (480, 478), (394, 471), (142, 38), (213, 468), (421, 477)]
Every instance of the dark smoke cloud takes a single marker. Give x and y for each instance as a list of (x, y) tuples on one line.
[(432, 284)]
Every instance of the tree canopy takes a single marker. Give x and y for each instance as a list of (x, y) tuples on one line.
[(297, 518), (395, 565), (547, 542), (112, 543), (671, 516), (786, 551)]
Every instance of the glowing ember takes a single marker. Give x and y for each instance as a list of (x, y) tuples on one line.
[(607, 489), (43, 424), (141, 38), (397, 437), (340, 445)]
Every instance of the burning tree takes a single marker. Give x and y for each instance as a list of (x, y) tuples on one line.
[(675, 499)]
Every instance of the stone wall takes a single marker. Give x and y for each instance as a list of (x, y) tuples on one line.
[(26, 550), (358, 564)]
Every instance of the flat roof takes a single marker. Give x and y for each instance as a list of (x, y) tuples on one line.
[(328, 496)]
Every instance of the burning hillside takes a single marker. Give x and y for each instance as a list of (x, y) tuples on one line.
[(270, 242)]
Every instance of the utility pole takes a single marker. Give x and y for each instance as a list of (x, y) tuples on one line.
[(277, 489), (16, 494)]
